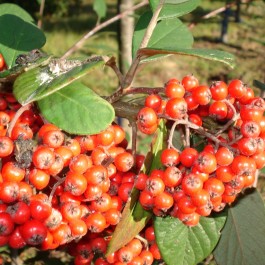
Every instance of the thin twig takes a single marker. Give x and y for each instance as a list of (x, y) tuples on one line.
[(131, 72), (230, 122), (171, 134), (148, 33), (16, 117), (195, 127), (80, 43), (151, 25), (143, 240), (56, 185), (187, 133), (235, 140), (213, 13), (112, 63), (255, 184), (143, 90), (42, 5)]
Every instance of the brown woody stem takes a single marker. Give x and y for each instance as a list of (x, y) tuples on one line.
[(56, 185), (234, 118), (143, 90)]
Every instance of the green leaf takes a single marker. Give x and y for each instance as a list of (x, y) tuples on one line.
[(213, 55), (18, 33), (7, 9), (77, 110), (168, 34), (100, 7), (175, 9), (40, 82), (243, 241), (183, 245), (134, 217), (259, 85)]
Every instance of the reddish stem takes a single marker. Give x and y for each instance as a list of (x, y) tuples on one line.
[(16, 117)]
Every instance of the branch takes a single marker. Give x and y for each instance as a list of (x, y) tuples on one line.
[(42, 5), (234, 118), (112, 63), (171, 134), (56, 185), (196, 128), (151, 25), (143, 90), (80, 43), (148, 33), (215, 12)]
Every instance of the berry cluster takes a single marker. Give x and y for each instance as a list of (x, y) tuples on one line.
[(228, 119), (61, 190), (135, 252), (57, 189)]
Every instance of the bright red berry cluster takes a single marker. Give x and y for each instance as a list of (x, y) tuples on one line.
[(60, 190), (57, 189), (198, 178)]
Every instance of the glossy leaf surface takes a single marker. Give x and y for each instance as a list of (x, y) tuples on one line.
[(183, 245), (172, 9), (213, 55), (169, 34), (77, 110)]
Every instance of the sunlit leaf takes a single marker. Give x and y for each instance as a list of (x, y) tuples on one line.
[(18, 33), (183, 245), (100, 7), (213, 55), (77, 110), (243, 240), (169, 34), (172, 9), (40, 82)]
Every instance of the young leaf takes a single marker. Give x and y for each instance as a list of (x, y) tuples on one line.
[(77, 110), (169, 34), (213, 55), (99, 6), (172, 9), (18, 33), (134, 217), (40, 82), (180, 244), (242, 240)]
